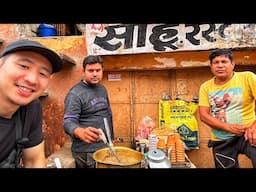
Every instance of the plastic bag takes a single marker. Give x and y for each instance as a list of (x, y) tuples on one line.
[(146, 125)]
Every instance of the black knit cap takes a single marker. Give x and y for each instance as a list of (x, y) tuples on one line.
[(28, 45)]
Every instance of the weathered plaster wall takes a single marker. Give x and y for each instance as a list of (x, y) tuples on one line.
[(163, 61), (72, 47)]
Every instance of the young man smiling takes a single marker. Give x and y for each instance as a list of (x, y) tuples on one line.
[(25, 70)]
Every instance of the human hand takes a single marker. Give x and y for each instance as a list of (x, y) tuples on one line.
[(250, 135), (88, 135), (237, 129), (102, 136)]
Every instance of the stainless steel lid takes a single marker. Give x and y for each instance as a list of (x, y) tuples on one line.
[(156, 155)]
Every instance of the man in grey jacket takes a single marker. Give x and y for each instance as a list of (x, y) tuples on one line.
[(86, 105)]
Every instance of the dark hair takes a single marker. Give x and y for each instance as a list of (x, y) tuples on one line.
[(92, 59), (219, 52)]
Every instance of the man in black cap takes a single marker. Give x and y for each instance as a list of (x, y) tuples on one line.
[(25, 70)]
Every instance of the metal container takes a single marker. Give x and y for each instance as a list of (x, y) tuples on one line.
[(129, 158), (157, 159)]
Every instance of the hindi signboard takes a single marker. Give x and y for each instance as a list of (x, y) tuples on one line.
[(114, 39)]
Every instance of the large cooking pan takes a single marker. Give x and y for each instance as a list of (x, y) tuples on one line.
[(129, 158)]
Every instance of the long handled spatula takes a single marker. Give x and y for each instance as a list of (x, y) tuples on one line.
[(109, 143)]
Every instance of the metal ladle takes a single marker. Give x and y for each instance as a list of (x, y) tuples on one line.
[(109, 142)]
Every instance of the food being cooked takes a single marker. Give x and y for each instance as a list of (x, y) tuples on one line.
[(124, 158), (128, 157)]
